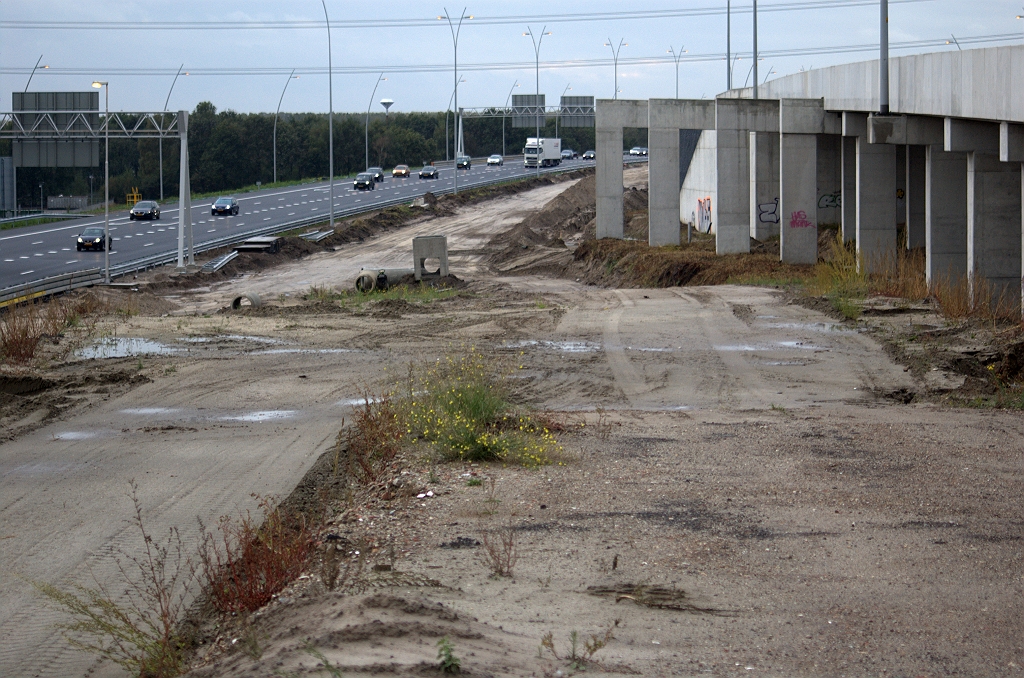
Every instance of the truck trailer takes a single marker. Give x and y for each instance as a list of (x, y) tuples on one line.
[(546, 153)]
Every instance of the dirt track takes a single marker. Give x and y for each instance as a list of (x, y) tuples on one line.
[(737, 447)]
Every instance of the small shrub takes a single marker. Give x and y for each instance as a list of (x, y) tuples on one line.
[(500, 549), (374, 439), (138, 631), (19, 333), (244, 564), (447, 661)]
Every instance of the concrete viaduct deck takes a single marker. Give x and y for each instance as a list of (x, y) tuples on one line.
[(942, 171)]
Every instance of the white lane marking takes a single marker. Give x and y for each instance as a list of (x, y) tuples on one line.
[(65, 249), (55, 251), (127, 236), (27, 272), (149, 232), (9, 261), (314, 209), (115, 239), (23, 257), (38, 243), (73, 261), (38, 254), (280, 198), (212, 230), (291, 214), (266, 218), (257, 203), (251, 212), (148, 244)]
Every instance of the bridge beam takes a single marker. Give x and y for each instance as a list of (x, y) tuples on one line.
[(971, 135)]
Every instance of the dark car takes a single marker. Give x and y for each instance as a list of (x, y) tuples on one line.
[(145, 209), (589, 155), (463, 162), (227, 206), (92, 239), (377, 172), (364, 182), (428, 172), (569, 154)]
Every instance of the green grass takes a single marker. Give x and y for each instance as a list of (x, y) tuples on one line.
[(29, 222), (414, 294)]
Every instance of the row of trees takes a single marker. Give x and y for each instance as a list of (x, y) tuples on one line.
[(229, 150)]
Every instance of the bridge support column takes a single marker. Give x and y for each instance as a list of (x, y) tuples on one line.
[(915, 196), (765, 214), (945, 216), (799, 198), (609, 184), (610, 117), (994, 228), (849, 198), (876, 203)]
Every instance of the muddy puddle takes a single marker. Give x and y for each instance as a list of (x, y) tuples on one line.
[(126, 347)]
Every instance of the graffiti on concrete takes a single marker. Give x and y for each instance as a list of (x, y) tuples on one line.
[(830, 200), (768, 213), (704, 215), (799, 220)]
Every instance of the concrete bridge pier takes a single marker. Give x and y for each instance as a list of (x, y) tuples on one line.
[(735, 119), (1011, 151), (611, 116), (666, 119), (945, 216), (830, 176), (876, 204), (994, 227)]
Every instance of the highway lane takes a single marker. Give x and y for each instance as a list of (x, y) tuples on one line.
[(34, 253)]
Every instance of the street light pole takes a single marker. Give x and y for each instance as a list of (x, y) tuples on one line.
[(286, 82), (106, 178), (455, 30), (559, 114), (615, 59), (446, 111), (503, 111), (728, 44), (755, 48), (536, 102), (330, 110), (883, 61), (366, 131), (34, 72), (676, 58), (168, 100)]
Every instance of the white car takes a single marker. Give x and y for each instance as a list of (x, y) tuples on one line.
[(496, 160)]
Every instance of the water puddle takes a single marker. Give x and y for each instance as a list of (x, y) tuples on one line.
[(75, 435), (564, 346), (150, 411), (230, 337), (645, 349), (783, 344), (279, 351), (813, 327), (266, 415), (124, 347), (738, 348), (355, 402), (784, 363), (801, 345)]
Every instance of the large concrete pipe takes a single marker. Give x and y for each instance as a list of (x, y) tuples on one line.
[(370, 279)]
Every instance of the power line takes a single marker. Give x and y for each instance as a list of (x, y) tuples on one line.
[(513, 65), (207, 25)]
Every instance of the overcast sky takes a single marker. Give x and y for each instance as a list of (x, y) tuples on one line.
[(138, 46)]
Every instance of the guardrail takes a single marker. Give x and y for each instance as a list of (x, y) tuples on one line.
[(40, 215), (46, 286), (69, 281)]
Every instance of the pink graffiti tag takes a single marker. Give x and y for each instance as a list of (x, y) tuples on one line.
[(799, 220)]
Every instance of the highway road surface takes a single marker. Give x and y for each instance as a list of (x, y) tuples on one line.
[(34, 253)]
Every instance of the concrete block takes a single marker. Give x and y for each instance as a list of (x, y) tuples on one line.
[(807, 116), (854, 124), (876, 203), (915, 197), (830, 179), (799, 198), (764, 185), (1011, 142), (971, 135), (429, 247), (619, 113), (945, 216), (849, 186), (994, 226), (680, 114)]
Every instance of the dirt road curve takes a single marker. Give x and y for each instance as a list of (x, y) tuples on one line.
[(811, 493)]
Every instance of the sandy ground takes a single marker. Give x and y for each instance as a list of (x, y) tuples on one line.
[(741, 497)]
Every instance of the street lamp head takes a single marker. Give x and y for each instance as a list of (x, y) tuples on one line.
[(98, 84), (47, 66)]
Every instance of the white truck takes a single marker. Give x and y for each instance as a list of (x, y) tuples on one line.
[(542, 152)]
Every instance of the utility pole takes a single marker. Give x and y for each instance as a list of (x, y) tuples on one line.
[(883, 58), (755, 49), (728, 44), (330, 110)]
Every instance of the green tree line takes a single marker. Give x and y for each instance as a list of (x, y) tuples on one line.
[(229, 150)]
